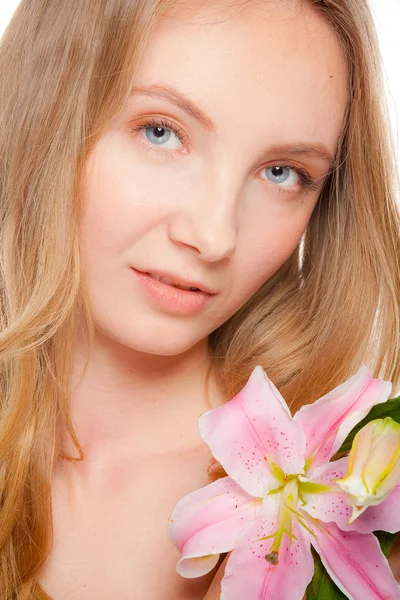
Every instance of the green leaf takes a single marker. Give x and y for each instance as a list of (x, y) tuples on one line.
[(322, 587), (390, 408)]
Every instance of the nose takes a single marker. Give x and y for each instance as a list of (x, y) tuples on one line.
[(208, 221)]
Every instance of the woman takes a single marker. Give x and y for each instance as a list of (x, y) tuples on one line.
[(235, 147)]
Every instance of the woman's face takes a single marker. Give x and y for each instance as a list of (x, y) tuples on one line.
[(226, 199)]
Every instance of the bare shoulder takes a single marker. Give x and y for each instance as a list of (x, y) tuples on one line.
[(111, 539)]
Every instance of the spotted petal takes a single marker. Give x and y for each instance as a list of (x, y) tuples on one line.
[(355, 562), (253, 432), (206, 522), (249, 575), (384, 516), (333, 507), (329, 506), (328, 421)]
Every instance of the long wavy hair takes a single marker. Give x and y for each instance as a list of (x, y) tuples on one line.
[(65, 70)]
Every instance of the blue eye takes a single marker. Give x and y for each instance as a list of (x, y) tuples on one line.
[(282, 175), (290, 177), (157, 135), (159, 132)]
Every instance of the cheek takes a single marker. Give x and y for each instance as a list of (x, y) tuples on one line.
[(123, 200), (117, 210), (263, 253)]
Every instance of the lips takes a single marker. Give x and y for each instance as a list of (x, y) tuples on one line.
[(169, 297), (172, 283), (177, 281)]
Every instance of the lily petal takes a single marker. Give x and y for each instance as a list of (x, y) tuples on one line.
[(327, 421), (355, 562), (333, 506), (249, 575), (329, 506), (385, 516), (327, 473), (254, 433), (206, 522)]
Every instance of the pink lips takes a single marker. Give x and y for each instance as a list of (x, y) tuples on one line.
[(179, 280), (171, 298)]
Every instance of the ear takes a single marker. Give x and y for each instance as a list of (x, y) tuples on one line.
[(214, 591)]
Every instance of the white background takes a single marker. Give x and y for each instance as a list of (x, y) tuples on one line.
[(387, 18)]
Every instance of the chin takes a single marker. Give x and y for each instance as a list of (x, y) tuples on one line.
[(166, 341)]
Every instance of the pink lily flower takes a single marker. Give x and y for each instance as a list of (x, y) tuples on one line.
[(280, 497)]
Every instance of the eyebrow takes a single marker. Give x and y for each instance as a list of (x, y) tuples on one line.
[(313, 150), (170, 94), (167, 92)]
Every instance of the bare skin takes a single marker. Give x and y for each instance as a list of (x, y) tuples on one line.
[(111, 539), (209, 207)]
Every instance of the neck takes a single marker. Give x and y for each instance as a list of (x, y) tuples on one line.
[(128, 404)]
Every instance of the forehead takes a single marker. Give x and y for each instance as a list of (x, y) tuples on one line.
[(275, 60)]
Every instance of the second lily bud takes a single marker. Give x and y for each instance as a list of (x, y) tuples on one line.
[(374, 465)]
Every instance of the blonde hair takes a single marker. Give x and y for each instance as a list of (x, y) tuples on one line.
[(65, 70)]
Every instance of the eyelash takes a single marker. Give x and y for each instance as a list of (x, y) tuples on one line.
[(153, 122), (308, 183)]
